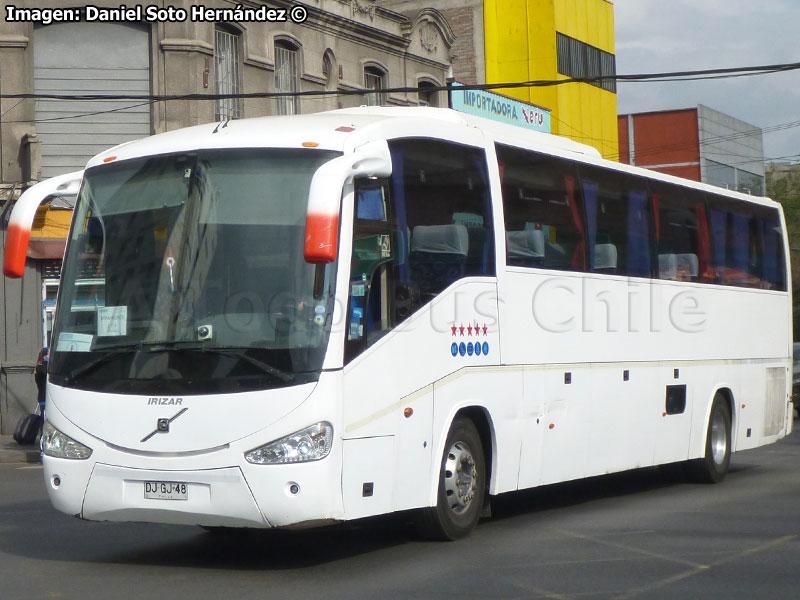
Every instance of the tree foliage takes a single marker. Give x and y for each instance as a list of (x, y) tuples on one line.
[(783, 185)]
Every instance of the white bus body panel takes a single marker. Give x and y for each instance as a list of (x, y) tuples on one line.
[(224, 489), (378, 390)]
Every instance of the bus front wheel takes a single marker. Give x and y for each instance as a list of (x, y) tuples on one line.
[(713, 466), (462, 484)]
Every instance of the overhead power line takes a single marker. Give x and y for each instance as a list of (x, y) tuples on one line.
[(633, 78)]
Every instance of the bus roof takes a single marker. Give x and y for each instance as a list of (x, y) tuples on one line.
[(344, 129), (330, 130)]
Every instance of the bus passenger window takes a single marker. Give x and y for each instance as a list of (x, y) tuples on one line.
[(617, 222), (442, 199), (681, 232), (747, 245), (543, 211)]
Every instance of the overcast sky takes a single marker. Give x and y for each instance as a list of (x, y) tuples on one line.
[(677, 35)]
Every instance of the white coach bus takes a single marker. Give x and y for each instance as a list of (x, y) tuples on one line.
[(292, 321)]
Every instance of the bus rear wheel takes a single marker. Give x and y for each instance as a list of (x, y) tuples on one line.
[(462, 485), (713, 466)]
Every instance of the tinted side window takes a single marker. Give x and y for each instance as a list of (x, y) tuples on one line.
[(681, 233), (443, 206), (773, 261), (747, 245), (543, 211), (617, 222)]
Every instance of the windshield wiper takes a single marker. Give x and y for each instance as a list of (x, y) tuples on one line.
[(241, 353), (120, 349), (115, 351)]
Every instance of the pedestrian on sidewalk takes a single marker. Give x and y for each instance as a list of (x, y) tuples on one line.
[(40, 377)]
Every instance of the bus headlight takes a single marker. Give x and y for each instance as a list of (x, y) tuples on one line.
[(311, 443), (58, 445)]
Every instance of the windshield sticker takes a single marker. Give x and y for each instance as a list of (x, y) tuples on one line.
[(112, 321), (74, 342), (358, 290), (356, 331), (386, 247)]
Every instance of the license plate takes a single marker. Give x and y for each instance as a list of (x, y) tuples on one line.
[(166, 490)]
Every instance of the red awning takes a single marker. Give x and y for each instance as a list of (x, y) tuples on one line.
[(46, 248)]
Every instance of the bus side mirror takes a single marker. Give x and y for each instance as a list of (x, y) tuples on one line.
[(21, 221), (325, 194)]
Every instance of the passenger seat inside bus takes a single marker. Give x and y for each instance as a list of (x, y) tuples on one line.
[(688, 265), (438, 256), (678, 267), (605, 258), (525, 248), (668, 266)]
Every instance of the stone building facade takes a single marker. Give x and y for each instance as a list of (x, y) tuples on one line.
[(353, 47), (465, 17)]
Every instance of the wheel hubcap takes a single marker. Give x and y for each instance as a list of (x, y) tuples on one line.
[(460, 477), (719, 438)]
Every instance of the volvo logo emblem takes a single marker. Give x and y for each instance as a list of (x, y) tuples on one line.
[(162, 425)]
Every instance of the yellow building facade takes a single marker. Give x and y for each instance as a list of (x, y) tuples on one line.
[(521, 45)]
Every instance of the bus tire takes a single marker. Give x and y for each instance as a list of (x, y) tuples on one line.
[(713, 466), (462, 486)]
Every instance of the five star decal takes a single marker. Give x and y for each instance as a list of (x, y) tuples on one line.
[(470, 329)]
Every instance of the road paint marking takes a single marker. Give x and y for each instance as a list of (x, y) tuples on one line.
[(692, 572), (633, 549)]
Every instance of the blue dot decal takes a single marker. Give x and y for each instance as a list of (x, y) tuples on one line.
[(462, 349), (486, 348), (454, 349), (470, 348), (478, 349)]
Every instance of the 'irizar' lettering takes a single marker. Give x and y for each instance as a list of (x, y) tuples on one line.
[(164, 401)]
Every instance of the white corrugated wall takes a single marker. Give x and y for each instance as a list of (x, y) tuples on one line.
[(89, 58)]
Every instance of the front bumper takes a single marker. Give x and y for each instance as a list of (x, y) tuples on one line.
[(216, 497)]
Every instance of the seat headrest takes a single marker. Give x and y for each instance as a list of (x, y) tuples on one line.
[(605, 256), (528, 243), (440, 239)]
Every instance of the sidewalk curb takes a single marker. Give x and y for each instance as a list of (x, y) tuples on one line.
[(12, 452)]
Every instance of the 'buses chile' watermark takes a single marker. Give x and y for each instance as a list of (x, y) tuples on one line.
[(561, 305), (557, 305)]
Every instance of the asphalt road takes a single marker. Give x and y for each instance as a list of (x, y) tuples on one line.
[(635, 535)]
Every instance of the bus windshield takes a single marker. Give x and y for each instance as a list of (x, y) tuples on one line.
[(185, 274)]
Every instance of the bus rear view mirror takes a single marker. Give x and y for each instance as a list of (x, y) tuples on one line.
[(21, 220), (325, 193)]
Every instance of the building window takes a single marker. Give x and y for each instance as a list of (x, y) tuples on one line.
[(427, 94), (328, 71), (374, 79), (286, 78), (579, 60), (227, 58)]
